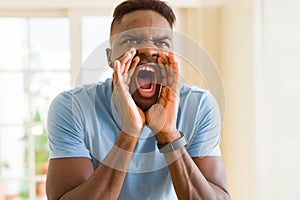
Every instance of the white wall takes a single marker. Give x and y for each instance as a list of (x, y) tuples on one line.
[(227, 33), (278, 102), (237, 67), (256, 45)]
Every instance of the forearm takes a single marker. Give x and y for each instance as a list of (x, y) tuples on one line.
[(188, 180), (107, 180)]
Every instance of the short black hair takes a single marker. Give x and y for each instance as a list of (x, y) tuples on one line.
[(158, 6)]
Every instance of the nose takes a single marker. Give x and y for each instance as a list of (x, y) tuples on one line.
[(148, 52)]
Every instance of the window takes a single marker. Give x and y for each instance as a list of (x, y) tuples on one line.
[(34, 68), (37, 63), (95, 33)]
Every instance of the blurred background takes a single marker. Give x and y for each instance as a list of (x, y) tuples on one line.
[(254, 43)]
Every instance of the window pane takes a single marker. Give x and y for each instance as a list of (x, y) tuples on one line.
[(12, 159), (41, 190), (41, 149), (13, 43), (44, 87), (14, 190), (13, 99), (35, 69), (95, 30), (49, 43)]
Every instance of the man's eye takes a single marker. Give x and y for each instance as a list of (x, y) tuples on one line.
[(130, 41), (162, 44)]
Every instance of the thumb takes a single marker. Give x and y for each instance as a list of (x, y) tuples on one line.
[(156, 118)]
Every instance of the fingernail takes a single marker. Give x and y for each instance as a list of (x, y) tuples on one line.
[(132, 50)]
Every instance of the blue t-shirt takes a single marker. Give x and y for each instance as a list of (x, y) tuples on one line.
[(84, 123)]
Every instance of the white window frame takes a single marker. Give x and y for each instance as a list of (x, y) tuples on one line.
[(74, 16)]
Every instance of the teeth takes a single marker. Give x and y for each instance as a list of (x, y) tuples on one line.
[(147, 90), (147, 68)]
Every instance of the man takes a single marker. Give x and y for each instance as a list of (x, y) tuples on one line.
[(140, 135)]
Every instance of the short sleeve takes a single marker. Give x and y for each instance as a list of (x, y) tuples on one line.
[(65, 133), (206, 137)]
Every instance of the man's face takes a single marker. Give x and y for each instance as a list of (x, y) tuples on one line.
[(149, 33)]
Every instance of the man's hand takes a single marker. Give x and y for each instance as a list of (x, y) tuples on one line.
[(162, 116), (132, 116)]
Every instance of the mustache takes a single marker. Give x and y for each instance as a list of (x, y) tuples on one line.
[(143, 59), (146, 59)]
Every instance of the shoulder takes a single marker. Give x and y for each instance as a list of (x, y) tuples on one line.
[(192, 95), (197, 109), (200, 121), (70, 97)]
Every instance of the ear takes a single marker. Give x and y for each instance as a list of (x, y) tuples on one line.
[(108, 55)]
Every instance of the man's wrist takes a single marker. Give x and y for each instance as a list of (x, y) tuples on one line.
[(126, 142), (173, 145), (134, 132), (165, 138)]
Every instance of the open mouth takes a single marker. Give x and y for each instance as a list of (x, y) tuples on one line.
[(146, 80)]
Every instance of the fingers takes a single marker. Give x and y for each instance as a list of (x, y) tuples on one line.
[(117, 73), (169, 70), (122, 66), (126, 60), (135, 62), (175, 79), (163, 71)]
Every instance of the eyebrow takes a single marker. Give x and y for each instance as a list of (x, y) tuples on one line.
[(127, 35), (154, 39), (162, 38)]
